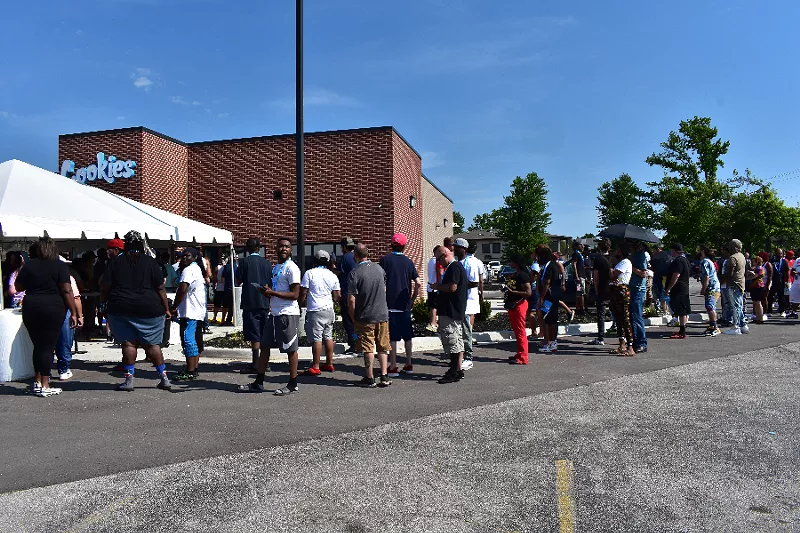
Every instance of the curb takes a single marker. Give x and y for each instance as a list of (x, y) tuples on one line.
[(424, 344)]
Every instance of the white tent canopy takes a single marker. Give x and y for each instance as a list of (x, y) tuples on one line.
[(34, 201)]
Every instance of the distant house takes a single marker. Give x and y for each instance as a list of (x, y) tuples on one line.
[(489, 245)]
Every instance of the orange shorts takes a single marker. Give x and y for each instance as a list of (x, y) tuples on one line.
[(372, 335)]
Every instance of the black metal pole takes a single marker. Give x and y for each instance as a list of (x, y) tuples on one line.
[(300, 144)]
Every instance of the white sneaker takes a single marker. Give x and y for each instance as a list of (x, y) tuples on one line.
[(672, 322), (550, 347), (467, 364), (766, 317), (745, 329), (733, 331), (64, 376), (44, 392), (783, 315)]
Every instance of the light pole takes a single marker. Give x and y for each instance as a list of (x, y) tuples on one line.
[(300, 142)]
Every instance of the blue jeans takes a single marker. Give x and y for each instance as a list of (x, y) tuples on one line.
[(64, 345), (637, 319), (737, 300)]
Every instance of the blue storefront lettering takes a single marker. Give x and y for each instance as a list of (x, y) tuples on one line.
[(108, 170)]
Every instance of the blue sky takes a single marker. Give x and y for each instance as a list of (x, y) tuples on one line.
[(577, 91)]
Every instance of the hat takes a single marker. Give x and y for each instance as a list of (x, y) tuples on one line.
[(461, 243), (116, 243), (348, 241), (790, 254), (322, 255), (192, 251), (399, 239)]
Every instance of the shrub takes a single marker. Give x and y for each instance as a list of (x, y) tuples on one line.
[(419, 311), (651, 311), (485, 312)]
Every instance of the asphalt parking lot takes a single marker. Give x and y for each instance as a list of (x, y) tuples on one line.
[(680, 433)]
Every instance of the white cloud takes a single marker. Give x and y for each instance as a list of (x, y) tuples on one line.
[(142, 78), (6, 114), (121, 117), (317, 97), (181, 101), (223, 115)]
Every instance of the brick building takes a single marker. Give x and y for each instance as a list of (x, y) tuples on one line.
[(365, 183)]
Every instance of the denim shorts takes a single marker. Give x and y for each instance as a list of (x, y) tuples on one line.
[(145, 331)]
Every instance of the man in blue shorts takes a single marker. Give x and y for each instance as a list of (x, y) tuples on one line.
[(252, 273), (402, 289)]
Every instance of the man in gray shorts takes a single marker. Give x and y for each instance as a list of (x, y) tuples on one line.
[(319, 289), (283, 323)]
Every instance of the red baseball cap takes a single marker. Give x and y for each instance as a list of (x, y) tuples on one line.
[(119, 244), (399, 239)]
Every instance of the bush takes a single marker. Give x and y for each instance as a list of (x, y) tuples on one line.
[(651, 311), (486, 311), (419, 312)]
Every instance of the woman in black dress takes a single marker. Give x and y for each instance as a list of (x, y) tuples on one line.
[(48, 295)]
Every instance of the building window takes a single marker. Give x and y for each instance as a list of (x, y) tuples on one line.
[(277, 194), (486, 248), (495, 247), (412, 201), (445, 223)]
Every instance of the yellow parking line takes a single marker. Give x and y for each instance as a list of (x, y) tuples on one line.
[(565, 497)]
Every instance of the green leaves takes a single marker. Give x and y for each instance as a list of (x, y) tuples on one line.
[(621, 201), (458, 222), (522, 221)]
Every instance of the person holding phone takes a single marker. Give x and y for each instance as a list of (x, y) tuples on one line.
[(516, 292)]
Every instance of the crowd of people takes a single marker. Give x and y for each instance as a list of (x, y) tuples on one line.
[(375, 299)]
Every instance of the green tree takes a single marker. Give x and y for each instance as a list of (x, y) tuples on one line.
[(689, 195), (485, 221), (458, 222), (621, 201), (522, 221)]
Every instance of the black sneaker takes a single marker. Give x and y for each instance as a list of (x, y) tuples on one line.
[(368, 383), (385, 381), (451, 377)]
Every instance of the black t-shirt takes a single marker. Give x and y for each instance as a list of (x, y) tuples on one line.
[(603, 268), (453, 304), (578, 264), (515, 282), (400, 270), (41, 279), (660, 263), (680, 266), (551, 273), (254, 269), (134, 287)]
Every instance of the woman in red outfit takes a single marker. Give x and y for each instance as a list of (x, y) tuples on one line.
[(517, 290)]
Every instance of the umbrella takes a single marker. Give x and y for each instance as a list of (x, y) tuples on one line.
[(629, 231)]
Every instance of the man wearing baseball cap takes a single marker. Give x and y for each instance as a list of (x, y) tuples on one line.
[(320, 289), (473, 270), (402, 288)]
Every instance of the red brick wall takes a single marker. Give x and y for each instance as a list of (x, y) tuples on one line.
[(124, 144), (407, 170), (348, 175), (164, 174)]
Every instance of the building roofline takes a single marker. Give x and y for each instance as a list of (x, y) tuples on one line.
[(241, 139), (435, 187)]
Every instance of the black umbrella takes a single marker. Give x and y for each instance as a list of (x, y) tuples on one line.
[(629, 231)]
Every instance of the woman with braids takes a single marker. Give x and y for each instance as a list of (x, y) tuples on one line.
[(621, 300), (133, 287), (48, 296)]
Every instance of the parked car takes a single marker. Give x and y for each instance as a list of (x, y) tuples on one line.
[(504, 273), (493, 267)]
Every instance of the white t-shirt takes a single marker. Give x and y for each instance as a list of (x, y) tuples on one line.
[(473, 269), (626, 269), (320, 282), (193, 306), (431, 273), (283, 276)]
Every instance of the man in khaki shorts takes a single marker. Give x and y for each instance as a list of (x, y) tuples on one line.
[(366, 304)]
